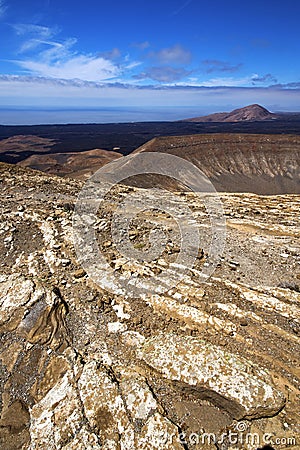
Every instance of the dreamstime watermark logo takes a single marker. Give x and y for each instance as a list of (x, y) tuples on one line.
[(232, 438), (137, 202)]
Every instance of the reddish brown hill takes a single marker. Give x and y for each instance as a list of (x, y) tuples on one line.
[(249, 113), (75, 165)]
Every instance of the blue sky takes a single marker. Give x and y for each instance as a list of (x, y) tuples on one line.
[(93, 53)]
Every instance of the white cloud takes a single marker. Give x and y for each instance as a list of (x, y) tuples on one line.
[(59, 61), (83, 67), (54, 59)]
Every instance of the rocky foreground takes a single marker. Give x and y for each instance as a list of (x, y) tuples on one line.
[(194, 368)]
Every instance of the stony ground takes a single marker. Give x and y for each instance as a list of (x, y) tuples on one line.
[(82, 368)]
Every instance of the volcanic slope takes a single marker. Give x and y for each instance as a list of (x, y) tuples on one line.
[(262, 164), (82, 368)]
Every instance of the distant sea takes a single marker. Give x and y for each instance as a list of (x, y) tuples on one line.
[(38, 116)]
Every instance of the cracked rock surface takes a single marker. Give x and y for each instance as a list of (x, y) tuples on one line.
[(82, 368)]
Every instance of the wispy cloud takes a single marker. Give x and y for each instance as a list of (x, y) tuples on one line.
[(34, 44), (215, 65), (41, 31), (34, 35), (166, 74), (132, 65), (172, 55), (3, 8)]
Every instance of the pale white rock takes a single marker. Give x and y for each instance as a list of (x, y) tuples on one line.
[(58, 414), (116, 327), (189, 314), (132, 338), (284, 255), (237, 312), (139, 400), (15, 291), (227, 380), (119, 310), (33, 266), (18, 294)]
